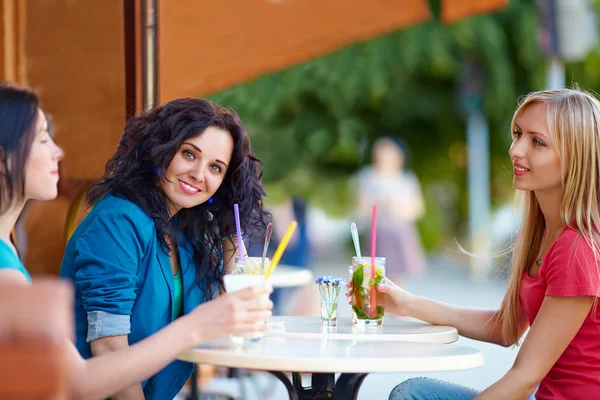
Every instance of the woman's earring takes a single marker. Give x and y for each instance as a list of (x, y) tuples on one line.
[(210, 201)]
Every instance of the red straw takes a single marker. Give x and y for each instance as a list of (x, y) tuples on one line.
[(372, 293)]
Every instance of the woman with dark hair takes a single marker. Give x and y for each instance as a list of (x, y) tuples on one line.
[(28, 159), (29, 171), (161, 231)]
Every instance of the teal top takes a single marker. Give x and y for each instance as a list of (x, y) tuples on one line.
[(10, 260), (178, 297)]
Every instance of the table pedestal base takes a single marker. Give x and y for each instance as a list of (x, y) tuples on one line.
[(323, 386)]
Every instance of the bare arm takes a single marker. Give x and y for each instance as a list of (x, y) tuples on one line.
[(114, 371), (117, 345), (89, 378), (563, 316), (472, 323)]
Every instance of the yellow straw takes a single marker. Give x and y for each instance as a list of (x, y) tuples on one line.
[(281, 248)]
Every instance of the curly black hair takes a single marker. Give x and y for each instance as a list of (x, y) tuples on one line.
[(148, 145)]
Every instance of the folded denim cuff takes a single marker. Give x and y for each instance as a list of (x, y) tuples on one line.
[(102, 324)]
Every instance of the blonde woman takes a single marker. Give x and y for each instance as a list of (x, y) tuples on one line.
[(554, 284)]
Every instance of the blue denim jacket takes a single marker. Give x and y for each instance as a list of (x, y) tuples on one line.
[(124, 283)]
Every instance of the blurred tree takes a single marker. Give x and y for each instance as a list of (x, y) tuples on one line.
[(312, 125)]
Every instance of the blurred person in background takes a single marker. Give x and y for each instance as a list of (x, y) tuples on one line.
[(555, 279), (29, 170), (397, 192)]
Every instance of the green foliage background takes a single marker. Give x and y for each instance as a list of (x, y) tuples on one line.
[(312, 125)]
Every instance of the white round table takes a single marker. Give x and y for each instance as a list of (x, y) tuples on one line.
[(324, 357), (393, 329), (288, 276), (284, 276), (335, 355)]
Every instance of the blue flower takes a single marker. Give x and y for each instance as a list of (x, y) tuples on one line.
[(330, 280)]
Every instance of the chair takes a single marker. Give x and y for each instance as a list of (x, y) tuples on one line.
[(73, 213)]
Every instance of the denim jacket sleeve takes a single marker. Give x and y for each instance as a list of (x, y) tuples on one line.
[(108, 255)]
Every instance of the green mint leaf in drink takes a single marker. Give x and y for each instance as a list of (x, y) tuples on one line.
[(358, 276), (360, 313), (378, 279), (380, 310)]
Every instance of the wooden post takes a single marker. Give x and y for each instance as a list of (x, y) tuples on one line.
[(132, 21)]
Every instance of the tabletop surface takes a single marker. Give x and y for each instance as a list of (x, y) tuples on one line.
[(334, 355), (288, 276), (393, 329)]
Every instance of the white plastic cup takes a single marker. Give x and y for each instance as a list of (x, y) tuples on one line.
[(233, 283)]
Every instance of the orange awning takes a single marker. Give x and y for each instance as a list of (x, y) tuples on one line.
[(454, 10), (203, 49)]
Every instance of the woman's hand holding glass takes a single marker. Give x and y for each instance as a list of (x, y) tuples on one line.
[(238, 312), (397, 300)]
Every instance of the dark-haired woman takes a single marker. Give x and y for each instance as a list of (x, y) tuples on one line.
[(161, 229), (29, 171)]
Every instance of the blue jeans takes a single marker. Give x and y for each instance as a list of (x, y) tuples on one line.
[(433, 389)]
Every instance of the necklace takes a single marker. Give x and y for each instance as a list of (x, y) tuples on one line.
[(538, 262)]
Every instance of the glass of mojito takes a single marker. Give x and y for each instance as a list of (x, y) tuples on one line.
[(367, 303)]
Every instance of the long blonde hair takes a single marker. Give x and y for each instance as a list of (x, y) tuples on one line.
[(573, 118)]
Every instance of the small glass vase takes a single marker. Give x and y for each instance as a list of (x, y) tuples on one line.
[(329, 289), (328, 313)]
